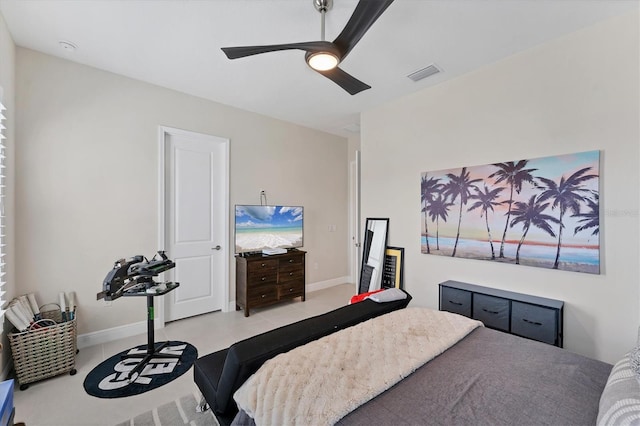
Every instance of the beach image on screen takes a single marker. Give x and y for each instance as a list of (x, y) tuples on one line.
[(264, 227)]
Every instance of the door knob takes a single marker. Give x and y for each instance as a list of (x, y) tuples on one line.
[(216, 247)]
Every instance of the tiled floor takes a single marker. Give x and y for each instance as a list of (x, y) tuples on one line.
[(62, 400)]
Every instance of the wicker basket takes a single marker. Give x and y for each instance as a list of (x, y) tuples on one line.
[(44, 352)]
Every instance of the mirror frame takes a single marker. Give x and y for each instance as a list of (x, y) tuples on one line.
[(372, 238)]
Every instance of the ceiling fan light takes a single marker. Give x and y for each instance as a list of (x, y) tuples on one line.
[(322, 61)]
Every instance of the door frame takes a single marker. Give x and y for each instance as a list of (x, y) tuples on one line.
[(354, 220), (163, 133)]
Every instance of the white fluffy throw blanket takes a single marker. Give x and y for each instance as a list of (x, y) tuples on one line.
[(322, 381)]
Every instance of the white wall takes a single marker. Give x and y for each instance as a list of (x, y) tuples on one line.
[(577, 93), (7, 95), (86, 186)]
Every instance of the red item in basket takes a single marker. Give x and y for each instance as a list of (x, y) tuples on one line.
[(360, 297)]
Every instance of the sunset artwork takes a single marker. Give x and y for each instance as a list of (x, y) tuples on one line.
[(541, 212)]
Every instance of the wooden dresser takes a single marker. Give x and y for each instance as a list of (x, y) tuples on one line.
[(533, 317), (263, 280)]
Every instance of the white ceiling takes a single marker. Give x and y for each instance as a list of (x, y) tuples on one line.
[(176, 44)]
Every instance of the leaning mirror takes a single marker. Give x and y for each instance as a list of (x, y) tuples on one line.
[(373, 247)]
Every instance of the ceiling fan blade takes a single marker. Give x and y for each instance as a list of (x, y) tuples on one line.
[(345, 80), (308, 46), (365, 14)]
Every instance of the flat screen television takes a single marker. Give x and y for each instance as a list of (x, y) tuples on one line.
[(259, 228)]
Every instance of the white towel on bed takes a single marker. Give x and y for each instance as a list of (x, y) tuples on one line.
[(322, 381)]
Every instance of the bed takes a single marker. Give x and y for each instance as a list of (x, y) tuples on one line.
[(486, 377)]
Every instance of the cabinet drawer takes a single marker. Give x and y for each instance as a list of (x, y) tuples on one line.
[(262, 295), (492, 311), (456, 301), (263, 265), (291, 289), (535, 322), (288, 273), (263, 277), (297, 260)]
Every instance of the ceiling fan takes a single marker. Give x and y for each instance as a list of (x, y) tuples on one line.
[(324, 56)]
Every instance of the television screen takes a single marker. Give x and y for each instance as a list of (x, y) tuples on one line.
[(268, 227)]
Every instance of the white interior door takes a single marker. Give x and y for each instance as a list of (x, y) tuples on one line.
[(196, 221)]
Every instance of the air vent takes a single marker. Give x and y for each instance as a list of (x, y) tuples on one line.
[(424, 72), (353, 128)]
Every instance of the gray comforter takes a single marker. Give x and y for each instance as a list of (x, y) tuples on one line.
[(490, 378)]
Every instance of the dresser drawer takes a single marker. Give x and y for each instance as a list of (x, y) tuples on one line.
[(492, 311), (290, 272), (456, 301), (263, 277), (255, 267), (291, 289), (296, 260), (535, 322), (262, 295)]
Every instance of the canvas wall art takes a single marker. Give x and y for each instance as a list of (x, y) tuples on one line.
[(542, 212)]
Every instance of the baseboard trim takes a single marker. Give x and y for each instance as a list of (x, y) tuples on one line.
[(115, 333), (111, 334), (321, 285)]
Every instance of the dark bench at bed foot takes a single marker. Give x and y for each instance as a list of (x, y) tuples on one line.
[(219, 374)]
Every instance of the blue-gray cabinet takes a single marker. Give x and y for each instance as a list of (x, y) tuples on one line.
[(533, 317)]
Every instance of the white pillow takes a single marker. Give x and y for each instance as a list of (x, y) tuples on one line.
[(388, 295)]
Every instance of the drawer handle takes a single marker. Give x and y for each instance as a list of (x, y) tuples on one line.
[(264, 295), (290, 260), (491, 312), (290, 274), (531, 322), (455, 303), (290, 290), (263, 265), (263, 278)]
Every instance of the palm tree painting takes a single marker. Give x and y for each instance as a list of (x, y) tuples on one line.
[(514, 174), (439, 209), (428, 188), (531, 213), (486, 201), (459, 186), (590, 218), (545, 211)]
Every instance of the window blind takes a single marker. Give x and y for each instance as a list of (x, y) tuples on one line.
[(3, 238)]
